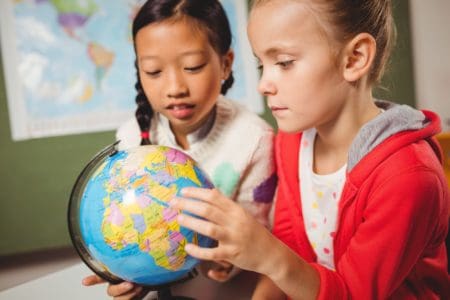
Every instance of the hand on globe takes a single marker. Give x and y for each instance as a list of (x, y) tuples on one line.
[(242, 240), (121, 291)]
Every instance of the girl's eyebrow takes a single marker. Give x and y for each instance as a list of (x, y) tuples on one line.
[(194, 52), (269, 52), (272, 51), (187, 53), (147, 57)]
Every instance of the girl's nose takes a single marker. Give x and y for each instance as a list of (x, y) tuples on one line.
[(266, 87), (176, 86)]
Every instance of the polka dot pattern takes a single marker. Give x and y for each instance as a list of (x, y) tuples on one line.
[(320, 196)]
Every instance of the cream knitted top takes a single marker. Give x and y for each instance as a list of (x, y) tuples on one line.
[(234, 147)]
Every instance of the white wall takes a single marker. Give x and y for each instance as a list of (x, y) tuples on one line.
[(430, 26)]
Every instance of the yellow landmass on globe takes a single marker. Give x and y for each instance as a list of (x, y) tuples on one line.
[(119, 236), (158, 161), (142, 218), (167, 253), (184, 170), (154, 159), (162, 192)]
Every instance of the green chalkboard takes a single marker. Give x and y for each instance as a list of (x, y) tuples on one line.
[(398, 82), (36, 176)]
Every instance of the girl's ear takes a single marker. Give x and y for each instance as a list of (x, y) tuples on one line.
[(359, 55), (227, 64)]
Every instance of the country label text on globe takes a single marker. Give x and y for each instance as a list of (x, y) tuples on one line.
[(126, 220)]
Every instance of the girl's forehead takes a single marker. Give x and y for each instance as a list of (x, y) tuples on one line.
[(169, 28), (275, 20), (167, 40), (319, 9), (295, 21)]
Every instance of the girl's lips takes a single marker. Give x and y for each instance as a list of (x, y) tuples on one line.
[(277, 108), (181, 111), (278, 111)]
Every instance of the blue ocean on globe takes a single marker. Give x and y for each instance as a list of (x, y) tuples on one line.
[(124, 228)]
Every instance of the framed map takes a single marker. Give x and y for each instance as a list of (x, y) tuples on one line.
[(69, 65)]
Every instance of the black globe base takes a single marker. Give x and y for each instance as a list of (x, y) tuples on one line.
[(166, 294), (163, 292)]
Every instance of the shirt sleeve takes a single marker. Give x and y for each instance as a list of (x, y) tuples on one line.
[(258, 182), (128, 135)]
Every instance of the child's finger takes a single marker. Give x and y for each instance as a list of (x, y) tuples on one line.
[(203, 227), (216, 253), (121, 289), (217, 275), (224, 264), (131, 294), (199, 208), (92, 280), (211, 196), (197, 193)]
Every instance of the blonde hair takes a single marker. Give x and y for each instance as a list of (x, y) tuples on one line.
[(350, 17)]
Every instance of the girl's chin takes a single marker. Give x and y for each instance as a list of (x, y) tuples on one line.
[(289, 127)]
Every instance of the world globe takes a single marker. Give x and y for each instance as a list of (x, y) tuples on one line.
[(120, 220)]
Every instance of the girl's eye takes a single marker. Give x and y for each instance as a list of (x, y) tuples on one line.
[(285, 64), (195, 69), (260, 67), (153, 73)]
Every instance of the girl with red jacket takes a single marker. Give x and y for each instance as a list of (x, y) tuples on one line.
[(362, 203)]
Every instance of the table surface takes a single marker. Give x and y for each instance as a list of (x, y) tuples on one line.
[(66, 284)]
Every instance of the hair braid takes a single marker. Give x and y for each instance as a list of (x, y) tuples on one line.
[(227, 84), (144, 111)]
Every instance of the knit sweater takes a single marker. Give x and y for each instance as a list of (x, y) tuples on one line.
[(392, 215), (234, 147)]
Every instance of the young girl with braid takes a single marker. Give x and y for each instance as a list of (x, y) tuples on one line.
[(362, 202), (184, 67)]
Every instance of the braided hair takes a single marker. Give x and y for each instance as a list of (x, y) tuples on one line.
[(209, 14)]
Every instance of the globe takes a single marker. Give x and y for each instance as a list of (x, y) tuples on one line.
[(120, 220)]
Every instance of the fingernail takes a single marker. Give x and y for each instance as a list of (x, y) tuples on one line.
[(127, 285), (173, 202), (180, 218)]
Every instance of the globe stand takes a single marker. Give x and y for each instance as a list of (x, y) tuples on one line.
[(166, 294), (163, 291), (162, 294)]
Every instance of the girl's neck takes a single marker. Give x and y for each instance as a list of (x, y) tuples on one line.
[(334, 138), (184, 136), (182, 141)]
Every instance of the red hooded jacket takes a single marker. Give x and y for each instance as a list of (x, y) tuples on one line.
[(392, 219)]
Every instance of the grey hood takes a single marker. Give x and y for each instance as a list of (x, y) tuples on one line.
[(395, 118)]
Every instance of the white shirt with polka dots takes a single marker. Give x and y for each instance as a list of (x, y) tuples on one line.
[(320, 196)]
